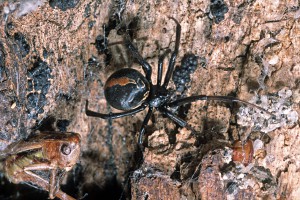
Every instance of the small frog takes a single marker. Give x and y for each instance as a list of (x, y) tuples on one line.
[(42, 161)]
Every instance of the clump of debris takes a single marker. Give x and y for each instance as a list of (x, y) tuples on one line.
[(279, 104), (23, 7)]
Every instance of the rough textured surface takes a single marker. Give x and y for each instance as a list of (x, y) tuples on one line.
[(251, 52)]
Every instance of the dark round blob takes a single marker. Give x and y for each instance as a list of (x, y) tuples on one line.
[(21, 44), (63, 4), (126, 89), (38, 84), (181, 75), (101, 44), (218, 9), (62, 124)]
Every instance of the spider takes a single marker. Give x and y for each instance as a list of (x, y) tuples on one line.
[(129, 90)]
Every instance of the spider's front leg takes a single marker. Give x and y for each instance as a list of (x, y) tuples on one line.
[(134, 52), (174, 54), (186, 100), (160, 67)]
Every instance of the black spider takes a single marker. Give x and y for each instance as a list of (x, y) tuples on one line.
[(129, 90)]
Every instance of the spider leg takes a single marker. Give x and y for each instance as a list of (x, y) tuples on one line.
[(160, 67), (191, 99), (174, 54), (113, 115), (144, 124), (146, 66), (176, 119)]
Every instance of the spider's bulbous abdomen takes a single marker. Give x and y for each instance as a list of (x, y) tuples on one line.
[(126, 89)]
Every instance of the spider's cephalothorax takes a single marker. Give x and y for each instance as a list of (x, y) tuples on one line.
[(129, 90)]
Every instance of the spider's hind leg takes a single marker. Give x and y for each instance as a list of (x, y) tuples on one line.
[(182, 123), (144, 124), (113, 115)]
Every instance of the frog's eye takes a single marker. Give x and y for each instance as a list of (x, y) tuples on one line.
[(65, 149)]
